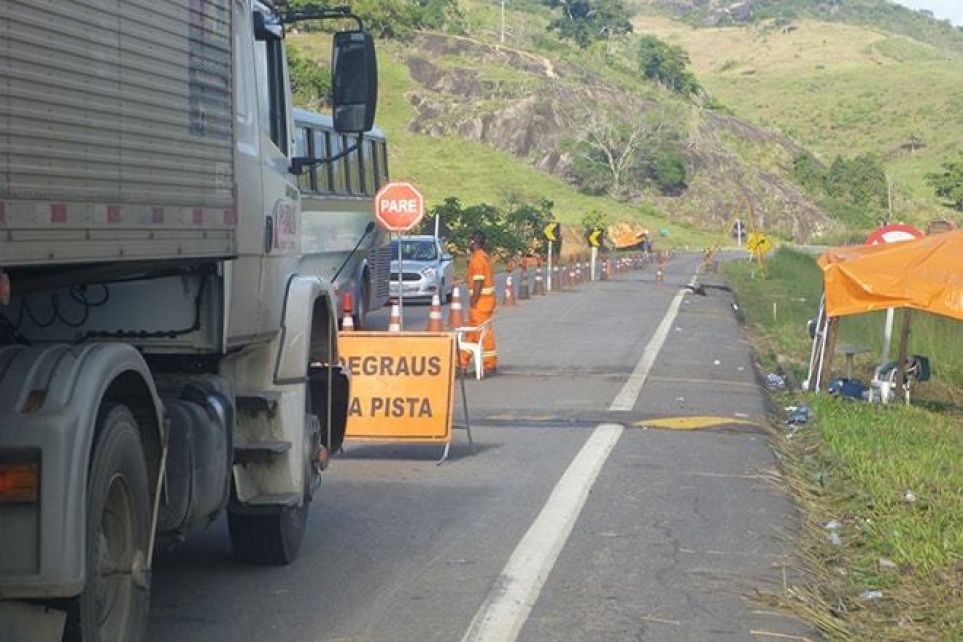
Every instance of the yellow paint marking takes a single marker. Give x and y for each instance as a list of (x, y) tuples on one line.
[(693, 422)]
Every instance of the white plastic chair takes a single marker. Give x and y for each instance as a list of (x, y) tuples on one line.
[(475, 348)]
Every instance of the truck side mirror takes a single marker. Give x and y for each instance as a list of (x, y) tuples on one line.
[(354, 81)]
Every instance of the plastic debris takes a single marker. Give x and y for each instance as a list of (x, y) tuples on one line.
[(871, 595), (833, 525), (775, 382), (834, 539), (852, 388), (797, 415), (909, 497), (885, 562)]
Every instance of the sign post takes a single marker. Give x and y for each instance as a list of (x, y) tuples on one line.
[(594, 238), (398, 208), (551, 233), (758, 244)]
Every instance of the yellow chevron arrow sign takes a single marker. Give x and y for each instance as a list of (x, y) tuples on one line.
[(595, 237), (552, 232)]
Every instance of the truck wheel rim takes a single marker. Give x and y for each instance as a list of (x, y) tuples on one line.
[(113, 584)]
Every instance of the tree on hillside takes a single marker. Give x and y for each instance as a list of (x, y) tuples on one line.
[(509, 231), (310, 81), (948, 183), (618, 153), (593, 220), (667, 65), (586, 21), (860, 180)]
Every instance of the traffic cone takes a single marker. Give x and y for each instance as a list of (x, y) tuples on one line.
[(394, 321), (509, 292), (347, 321), (523, 291), (455, 317), (539, 283), (435, 322)]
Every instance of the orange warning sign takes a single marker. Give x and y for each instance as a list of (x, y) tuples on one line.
[(402, 385)]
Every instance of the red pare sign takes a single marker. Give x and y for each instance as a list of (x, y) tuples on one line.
[(894, 234), (399, 207)]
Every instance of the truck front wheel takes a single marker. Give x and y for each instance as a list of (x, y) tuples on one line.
[(273, 538), (116, 597)]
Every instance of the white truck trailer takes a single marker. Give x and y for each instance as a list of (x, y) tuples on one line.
[(165, 356)]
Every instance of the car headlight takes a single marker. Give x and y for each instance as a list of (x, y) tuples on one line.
[(428, 272)]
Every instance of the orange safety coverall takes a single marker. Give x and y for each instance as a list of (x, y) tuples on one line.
[(480, 269)]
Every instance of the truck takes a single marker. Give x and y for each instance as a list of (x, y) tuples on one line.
[(167, 355)]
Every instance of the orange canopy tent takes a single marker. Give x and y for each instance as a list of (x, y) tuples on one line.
[(924, 274)]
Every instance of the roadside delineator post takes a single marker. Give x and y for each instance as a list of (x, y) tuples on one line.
[(456, 318), (539, 282), (435, 321), (604, 271), (523, 291), (347, 321), (660, 275), (394, 320), (509, 299)]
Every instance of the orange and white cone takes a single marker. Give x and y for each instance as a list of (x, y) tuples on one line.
[(509, 292), (435, 321), (456, 318), (660, 275), (347, 321), (394, 321)]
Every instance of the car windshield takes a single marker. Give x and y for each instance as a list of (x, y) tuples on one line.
[(415, 250)]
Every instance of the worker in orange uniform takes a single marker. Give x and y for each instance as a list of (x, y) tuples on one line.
[(482, 302)]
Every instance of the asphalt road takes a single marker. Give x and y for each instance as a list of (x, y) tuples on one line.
[(574, 520)]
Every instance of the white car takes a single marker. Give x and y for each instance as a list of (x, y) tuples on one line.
[(426, 268)]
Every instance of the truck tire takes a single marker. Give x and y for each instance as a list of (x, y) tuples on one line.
[(269, 539), (274, 539), (364, 304), (116, 597)]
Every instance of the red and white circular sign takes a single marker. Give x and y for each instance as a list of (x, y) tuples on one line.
[(399, 207), (893, 234)]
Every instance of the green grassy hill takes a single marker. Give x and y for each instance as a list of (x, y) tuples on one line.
[(840, 88), (488, 121)]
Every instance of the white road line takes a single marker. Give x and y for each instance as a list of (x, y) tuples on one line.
[(627, 397), (517, 588)]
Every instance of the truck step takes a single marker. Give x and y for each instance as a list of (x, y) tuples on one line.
[(276, 499), (258, 400), (259, 451)]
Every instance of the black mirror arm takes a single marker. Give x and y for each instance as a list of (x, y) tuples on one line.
[(300, 163), (320, 13)]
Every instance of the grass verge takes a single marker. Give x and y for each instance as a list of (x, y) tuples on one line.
[(891, 477)]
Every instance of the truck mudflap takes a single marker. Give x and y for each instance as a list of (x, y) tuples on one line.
[(30, 623), (49, 399)]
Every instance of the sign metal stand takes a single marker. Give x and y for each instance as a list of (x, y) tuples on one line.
[(464, 405)]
